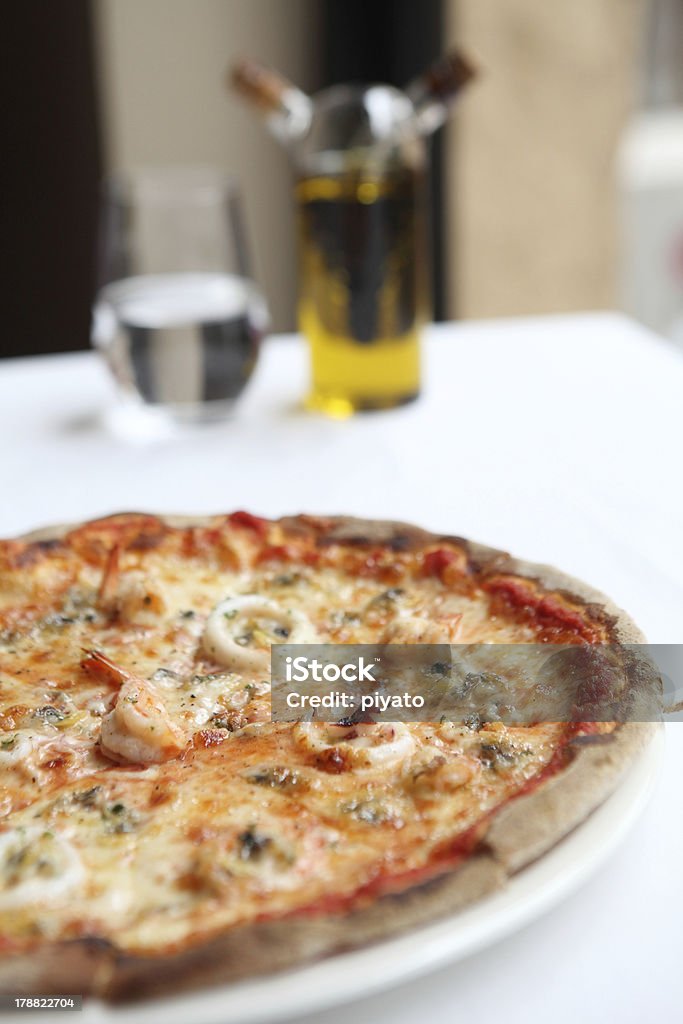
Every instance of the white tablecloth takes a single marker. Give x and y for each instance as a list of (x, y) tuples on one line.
[(556, 438)]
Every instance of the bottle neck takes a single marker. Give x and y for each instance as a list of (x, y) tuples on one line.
[(290, 119), (286, 109), (430, 113), (435, 91)]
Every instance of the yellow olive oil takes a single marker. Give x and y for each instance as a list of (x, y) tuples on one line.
[(363, 287)]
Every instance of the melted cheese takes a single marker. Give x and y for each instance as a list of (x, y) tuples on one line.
[(220, 815), (37, 869), (199, 844)]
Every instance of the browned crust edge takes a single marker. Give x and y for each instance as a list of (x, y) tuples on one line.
[(518, 834), (401, 536)]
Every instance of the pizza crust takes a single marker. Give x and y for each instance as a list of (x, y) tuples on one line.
[(94, 967), (400, 536), (518, 834), (532, 824)]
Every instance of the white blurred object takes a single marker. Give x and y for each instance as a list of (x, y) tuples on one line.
[(650, 182), (651, 209)]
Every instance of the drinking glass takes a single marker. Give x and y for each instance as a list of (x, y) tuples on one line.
[(177, 316)]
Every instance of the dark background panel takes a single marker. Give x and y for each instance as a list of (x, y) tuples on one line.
[(51, 164), (391, 41)]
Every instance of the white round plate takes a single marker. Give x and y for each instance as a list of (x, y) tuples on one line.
[(353, 975)]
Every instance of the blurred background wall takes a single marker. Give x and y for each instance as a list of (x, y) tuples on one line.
[(530, 202), (163, 96), (164, 101), (532, 213)]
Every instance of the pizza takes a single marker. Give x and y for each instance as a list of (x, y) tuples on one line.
[(158, 831)]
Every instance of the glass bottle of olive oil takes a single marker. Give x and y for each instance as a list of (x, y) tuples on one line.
[(363, 292), (363, 281), (360, 161)]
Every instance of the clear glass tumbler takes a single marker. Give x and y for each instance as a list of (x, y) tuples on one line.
[(177, 316)]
